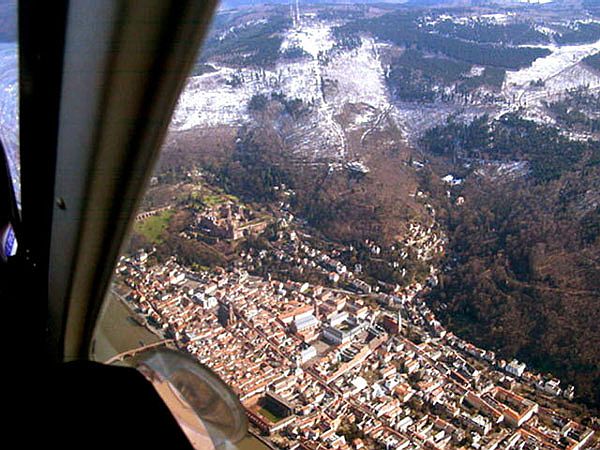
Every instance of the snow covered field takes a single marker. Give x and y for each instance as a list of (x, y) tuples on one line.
[(355, 77), (415, 119), (360, 77), (559, 71), (330, 79), (313, 38), (208, 100)]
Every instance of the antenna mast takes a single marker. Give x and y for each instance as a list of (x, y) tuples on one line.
[(293, 14)]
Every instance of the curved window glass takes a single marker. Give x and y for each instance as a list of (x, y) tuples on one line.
[(9, 91)]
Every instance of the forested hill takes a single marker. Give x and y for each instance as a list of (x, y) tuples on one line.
[(524, 250), (472, 46), (548, 153), (440, 52), (526, 279)]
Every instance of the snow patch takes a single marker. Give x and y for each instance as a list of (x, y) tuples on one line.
[(475, 71), (209, 100), (558, 71), (327, 81), (534, 2), (501, 169), (496, 18), (312, 37), (359, 77)]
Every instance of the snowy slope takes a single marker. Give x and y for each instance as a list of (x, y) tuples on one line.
[(329, 80), (559, 71), (357, 77)]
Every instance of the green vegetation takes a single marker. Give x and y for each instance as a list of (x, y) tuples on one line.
[(293, 107), (258, 102), (253, 172), (346, 38), (211, 200), (294, 53), (152, 227), (414, 77), (206, 198), (492, 77), (200, 268), (269, 415), (439, 68)]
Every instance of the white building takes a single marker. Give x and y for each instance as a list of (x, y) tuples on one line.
[(515, 368), (304, 322), (338, 318), (307, 353)]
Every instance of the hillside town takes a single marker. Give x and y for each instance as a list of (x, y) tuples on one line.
[(321, 367), (327, 339)]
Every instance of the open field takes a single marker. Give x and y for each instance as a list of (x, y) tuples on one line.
[(152, 227)]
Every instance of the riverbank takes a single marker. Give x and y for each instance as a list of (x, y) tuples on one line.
[(120, 329)]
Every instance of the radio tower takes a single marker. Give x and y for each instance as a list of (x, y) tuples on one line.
[(297, 14), (293, 14)]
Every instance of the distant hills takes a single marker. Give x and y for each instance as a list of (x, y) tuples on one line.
[(591, 6), (238, 3)]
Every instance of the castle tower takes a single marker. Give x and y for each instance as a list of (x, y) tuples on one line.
[(226, 315), (399, 322)]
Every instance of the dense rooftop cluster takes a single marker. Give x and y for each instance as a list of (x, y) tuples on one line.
[(318, 367)]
